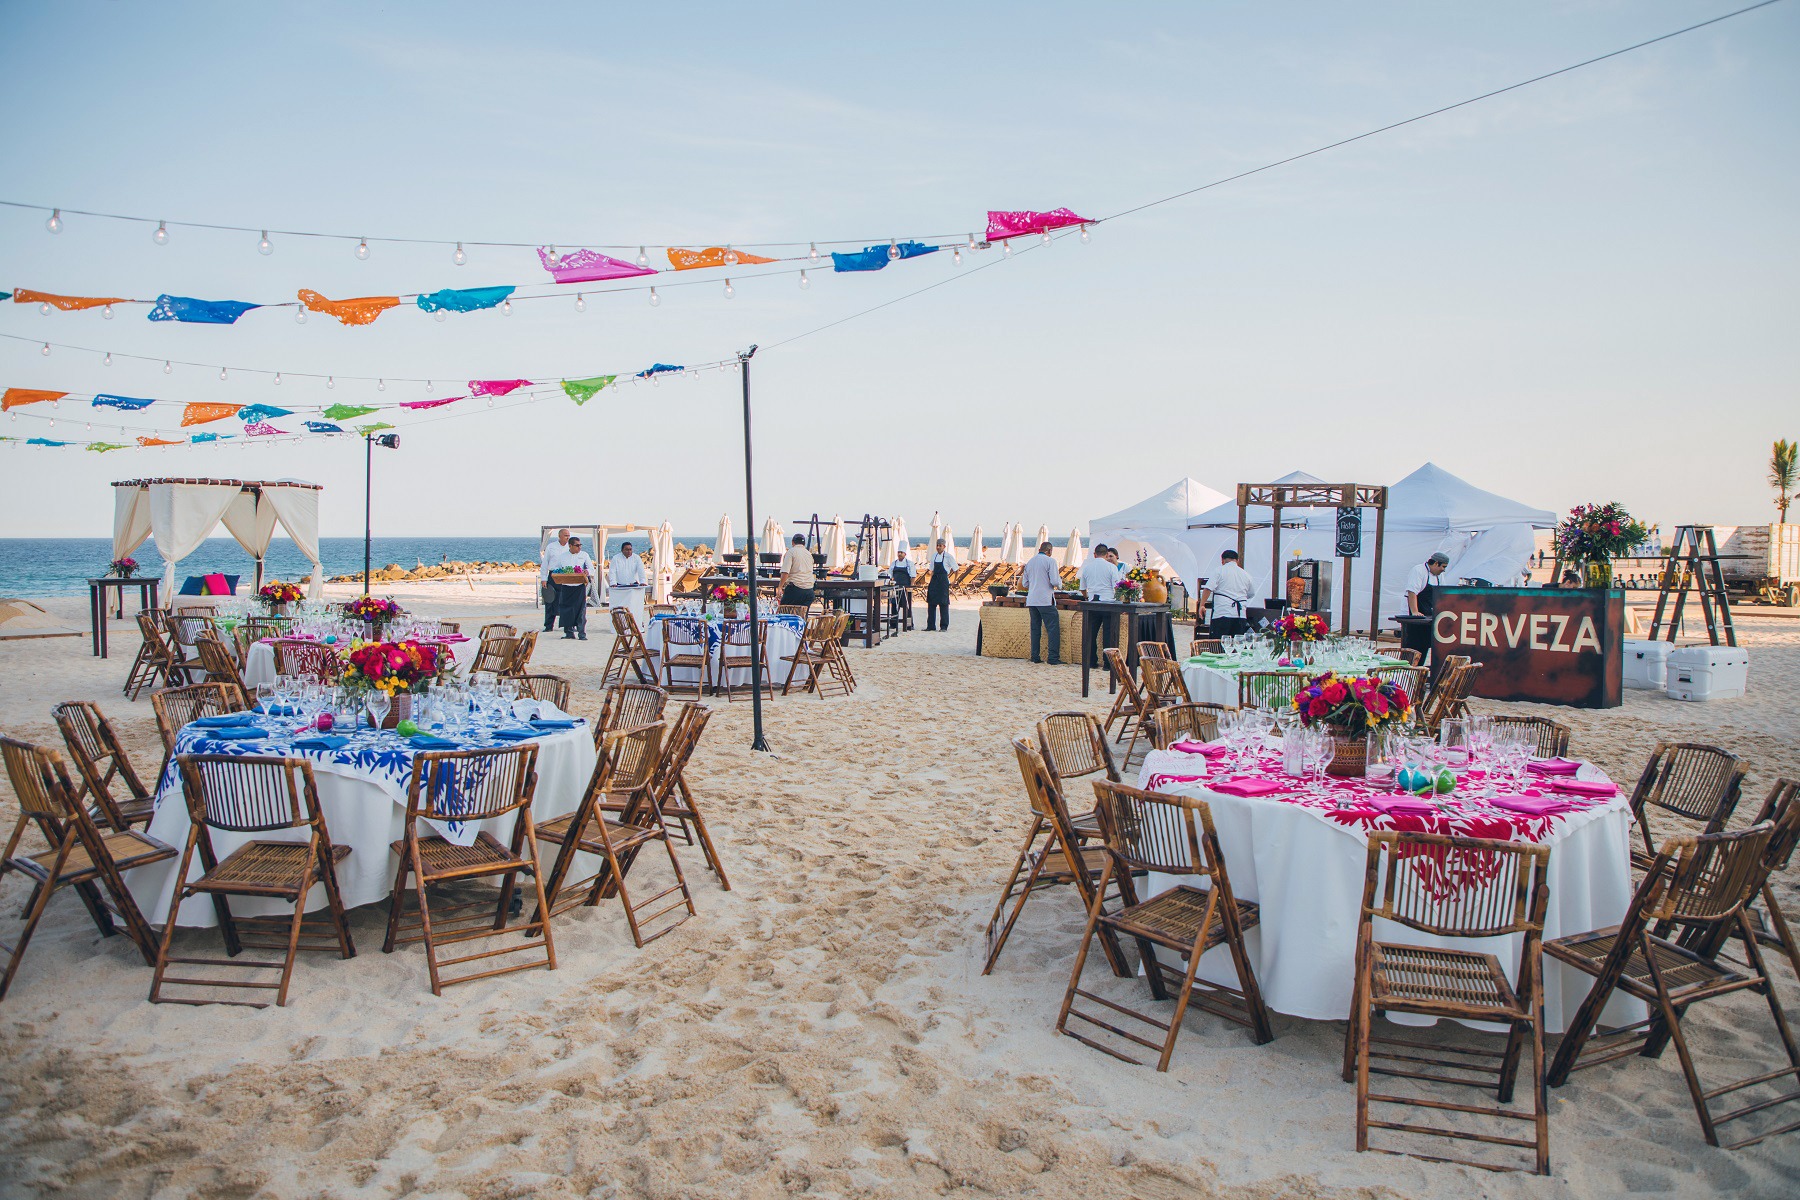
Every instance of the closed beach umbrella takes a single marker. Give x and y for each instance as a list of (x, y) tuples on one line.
[(725, 544), (899, 543), (662, 563), (975, 544), (771, 536), (949, 536), (1073, 555), (837, 553), (1005, 543), (1019, 552), (937, 531), (1042, 537)]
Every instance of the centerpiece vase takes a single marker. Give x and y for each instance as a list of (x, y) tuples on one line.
[(1155, 592), (277, 608), (1296, 649), (126, 572), (1349, 755), (1599, 573), (399, 709), (731, 610)]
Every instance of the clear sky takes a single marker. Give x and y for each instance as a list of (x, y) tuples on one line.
[(1580, 291)]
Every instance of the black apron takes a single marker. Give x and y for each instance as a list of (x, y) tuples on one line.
[(938, 590)]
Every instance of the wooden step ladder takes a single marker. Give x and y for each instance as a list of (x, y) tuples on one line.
[(1694, 563)]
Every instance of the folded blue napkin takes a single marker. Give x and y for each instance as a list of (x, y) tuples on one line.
[(238, 733), (555, 722), (512, 735), (223, 720), (278, 710), (426, 741), (330, 741)]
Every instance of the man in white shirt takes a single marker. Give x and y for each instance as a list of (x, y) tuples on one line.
[(937, 590), (548, 589), (1421, 587), (625, 571), (1041, 579), (1232, 589), (573, 596), (1099, 576), (797, 574)]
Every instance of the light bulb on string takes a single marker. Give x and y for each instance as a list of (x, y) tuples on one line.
[(440, 315), (893, 250), (161, 236), (490, 402), (730, 257), (804, 281), (812, 251), (956, 256), (461, 256), (381, 385), (278, 379), (428, 385), (1046, 237), (550, 250), (265, 246), (106, 311), (362, 249), (643, 259), (1007, 247), (506, 308), (221, 374), (580, 302), (56, 403), (300, 314), (971, 241), (46, 350), (330, 381), (108, 359), (54, 224), (654, 298), (167, 368), (1085, 236), (729, 290), (89, 426), (44, 308)]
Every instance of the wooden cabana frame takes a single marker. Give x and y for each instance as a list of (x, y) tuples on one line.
[(1277, 496)]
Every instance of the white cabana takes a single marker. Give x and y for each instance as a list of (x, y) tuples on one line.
[(771, 537), (837, 549), (725, 545), (1158, 527), (662, 563), (1311, 531), (181, 513), (1073, 555)]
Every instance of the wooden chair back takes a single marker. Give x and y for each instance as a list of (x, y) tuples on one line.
[(627, 705), (677, 748), (1415, 680), (41, 785), (553, 688), (188, 627), (1161, 831), (1046, 798), (153, 631), (1073, 745), (1405, 654), (1449, 696), (1153, 650), (219, 663), (179, 706), (1163, 683), (496, 654), (257, 628), (1692, 780), (494, 629), (1710, 878), (1128, 684), (1184, 722), (308, 659), (522, 651), (449, 628), (247, 793), (792, 610), (1271, 690), (1781, 809), (99, 759), (1457, 887), (470, 785), (1552, 737)]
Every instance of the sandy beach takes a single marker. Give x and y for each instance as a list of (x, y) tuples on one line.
[(821, 1029)]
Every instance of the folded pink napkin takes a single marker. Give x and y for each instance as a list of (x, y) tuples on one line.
[(1530, 806), (451, 637), (1585, 787), (1246, 787), (1210, 749), (1553, 766), (1400, 806), (1159, 781)]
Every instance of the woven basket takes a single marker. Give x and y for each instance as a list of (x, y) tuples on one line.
[(1349, 756)]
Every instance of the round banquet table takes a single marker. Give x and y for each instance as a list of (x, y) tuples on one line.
[(259, 659), (781, 636), (362, 792), (1303, 859), (1213, 678)]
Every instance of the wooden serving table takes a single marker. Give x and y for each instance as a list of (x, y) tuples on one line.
[(1552, 645), (1139, 622), (866, 625), (147, 586)]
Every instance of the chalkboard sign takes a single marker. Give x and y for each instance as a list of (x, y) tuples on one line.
[(1349, 532)]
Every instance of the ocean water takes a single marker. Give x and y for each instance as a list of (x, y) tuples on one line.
[(31, 567)]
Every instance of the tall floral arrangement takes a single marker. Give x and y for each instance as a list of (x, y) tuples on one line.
[(1299, 627), (371, 608), (1598, 533), (1351, 704), (279, 593), (1127, 590), (124, 568), (396, 667)]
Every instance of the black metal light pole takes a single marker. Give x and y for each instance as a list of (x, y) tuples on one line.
[(392, 442), (757, 741)]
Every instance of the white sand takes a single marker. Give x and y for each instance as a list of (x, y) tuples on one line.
[(822, 1028)]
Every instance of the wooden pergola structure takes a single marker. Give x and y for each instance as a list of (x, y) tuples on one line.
[(1277, 496)]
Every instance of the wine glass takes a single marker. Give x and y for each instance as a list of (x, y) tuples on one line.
[(378, 703), (1453, 742)]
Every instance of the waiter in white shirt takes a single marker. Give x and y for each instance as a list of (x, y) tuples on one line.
[(1232, 589), (1421, 593), (1099, 576), (572, 597), (937, 590), (551, 600), (1041, 579), (626, 571)]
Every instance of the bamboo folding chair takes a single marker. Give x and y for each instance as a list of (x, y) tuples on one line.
[(186, 628), (522, 650), (1769, 924), (792, 610), (1461, 888), (254, 629), (1552, 736), (1405, 654), (685, 644), (153, 660), (1073, 745), (821, 657), (494, 629), (627, 762), (1156, 650), (253, 794), (177, 707), (218, 663), (1191, 722), (309, 660), (449, 628), (1448, 697), (1699, 885), (1692, 780), (81, 855), (1415, 681), (1062, 857), (1163, 686), (553, 689), (1154, 831), (453, 789), (674, 798), (734, 655), (840, 662), (1203, 644), (1272, 691), (494, 657), (627, 705), (100, 759), (1128, 705), (629, 653)]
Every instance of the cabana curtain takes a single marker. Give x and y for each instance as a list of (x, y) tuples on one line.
[(182, 513)]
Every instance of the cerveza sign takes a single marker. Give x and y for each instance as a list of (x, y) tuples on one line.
[(1554, 645)]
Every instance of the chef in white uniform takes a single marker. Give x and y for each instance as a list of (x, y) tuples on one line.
[(1232, 590), (628, 582)]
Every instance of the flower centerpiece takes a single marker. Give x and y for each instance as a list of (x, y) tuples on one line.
[(1350, 707), (373, 611), (400, 669), (1128, 590), (1299, 627), (1149, 582), (1594, 535), (279, 595), (729, 595), (124, 568)]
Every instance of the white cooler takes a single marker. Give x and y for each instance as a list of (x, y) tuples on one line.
[(1646, 664), (1708, 672)]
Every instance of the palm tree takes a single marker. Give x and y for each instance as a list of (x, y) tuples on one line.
[(1784, 473)]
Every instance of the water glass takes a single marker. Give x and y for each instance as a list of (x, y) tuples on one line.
[(1453, 742), (378, 704)]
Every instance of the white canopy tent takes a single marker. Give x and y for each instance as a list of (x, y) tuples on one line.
[(1158, 526), (181, 513)]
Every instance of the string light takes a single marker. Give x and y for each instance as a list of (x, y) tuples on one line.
[(278, 379), (108, 359), (490, 402), (643, 260), (804, 281), (956, 255), (730, 257), (461, 256), (506, 308), (1007, 247), (1046, 238), (440, 316), (893, 250), (44, 308), (729, 290), (161, 236), (221, 374), (381, 385), (1085, 236), (265, 246), (812, 251), (550, 250), (580, 302), (362, 249), (167, 369), (971, 241), (106, 311), (46, 350), (54, 224), (428, 385), (330, 381), (300, 314), (654, 298)]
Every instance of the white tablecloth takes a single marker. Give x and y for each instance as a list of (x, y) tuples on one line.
[(1306, 874), (365, 809), (781, 638), (259, 660), (1219, 685)]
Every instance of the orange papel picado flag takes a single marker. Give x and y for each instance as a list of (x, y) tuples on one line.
[(200, 414), (150, 441), (66, 303), (16, 396), (712, 256), (360, 311)]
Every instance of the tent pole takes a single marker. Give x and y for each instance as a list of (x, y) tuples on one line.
[(1375, 592), (1275, 589), (757, 741), (368, 501)]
